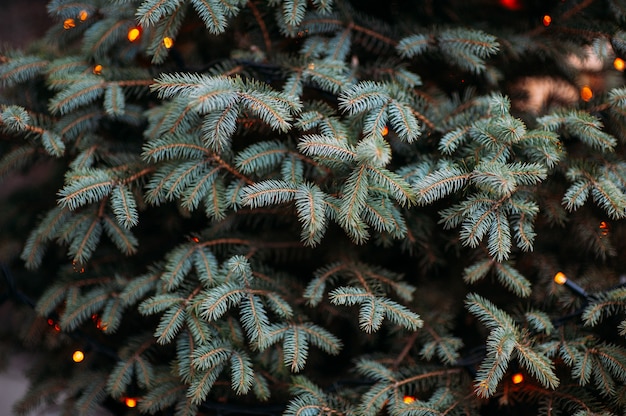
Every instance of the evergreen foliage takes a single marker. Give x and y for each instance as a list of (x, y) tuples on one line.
[(318, 208)]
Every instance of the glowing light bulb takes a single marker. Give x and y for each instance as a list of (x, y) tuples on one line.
[(408, 399), (385, 131), (560, 278), (130, 402), (585, 93), (69, 24), (168, 42), (133, 34), (83, 15), (511, 4), (619, 64), (195, 239), (604, 228), (54, 325), (78, 268), (97, 70), (78, 356), (547, 20)]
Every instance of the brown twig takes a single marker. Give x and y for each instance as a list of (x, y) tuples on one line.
[(262, 26)]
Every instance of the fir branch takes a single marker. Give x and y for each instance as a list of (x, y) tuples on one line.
[(124, 206), (151, 11), (440, 183), (91, 186)]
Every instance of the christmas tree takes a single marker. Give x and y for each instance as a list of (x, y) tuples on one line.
[(318, 207)]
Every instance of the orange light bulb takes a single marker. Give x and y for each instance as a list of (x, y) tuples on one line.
[(130, 402), (97, 70), (100, 325), (69, 24), (619, 64), (385, 131), (547, 20), (586, 93), (604, 228), (408, 399), (560, 278), (133, 34), (517, 378), (78, 356), (83, 15), (168, 42)]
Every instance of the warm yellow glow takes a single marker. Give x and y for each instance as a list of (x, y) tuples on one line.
[(100, 325), (547, 19), (97, 69), (517, 378), (83, 15), (168, 42), (130, 402), (408, 399), (78, 356), (385, 131), (68, 24), (560, 278), (619, 64), (585, 93), (133, 34)]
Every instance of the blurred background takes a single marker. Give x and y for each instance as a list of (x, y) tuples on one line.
[(21, 22)]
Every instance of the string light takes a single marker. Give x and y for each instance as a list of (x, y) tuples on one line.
[(96, 70), (511, 4), (78, 356), (134, 33), (83, 15), (585, 93), (619, 64), (561, 279), (168, 42), (77, 267), (130, 402), (547, 20), (98, 321), (408, 399), (69, 24), (385, 131), (54, 325), (604, 228)]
